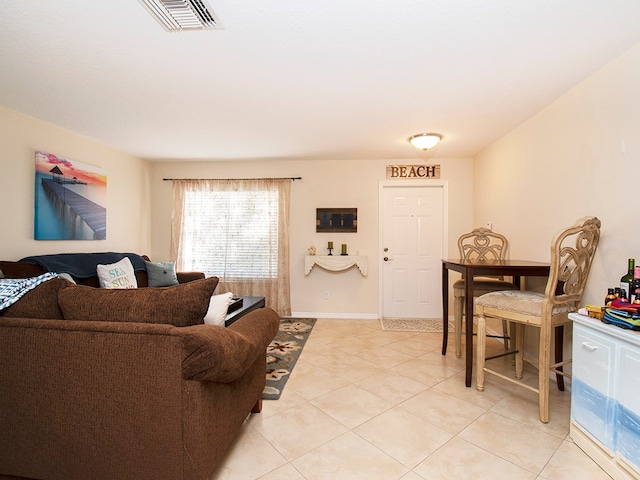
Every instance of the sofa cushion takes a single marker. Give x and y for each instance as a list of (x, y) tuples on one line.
[(161, 274), (117, 275), (41, 302), (180, 305)]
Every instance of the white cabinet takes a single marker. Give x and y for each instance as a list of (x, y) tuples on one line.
[(628, 421), (605, 395)]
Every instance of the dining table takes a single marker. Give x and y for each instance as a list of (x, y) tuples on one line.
[(471, 268)]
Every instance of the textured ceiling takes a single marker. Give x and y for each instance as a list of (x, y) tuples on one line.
[(292, 79)]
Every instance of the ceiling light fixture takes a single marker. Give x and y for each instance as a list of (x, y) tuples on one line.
[(425, 141), (176, 15)]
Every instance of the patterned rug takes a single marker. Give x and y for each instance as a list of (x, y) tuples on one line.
[(414, 325), (283, 353)]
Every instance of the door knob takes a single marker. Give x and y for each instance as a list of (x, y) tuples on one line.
[(385, 249), (386, 259)]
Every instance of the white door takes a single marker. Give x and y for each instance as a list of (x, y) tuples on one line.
[(412, 248)]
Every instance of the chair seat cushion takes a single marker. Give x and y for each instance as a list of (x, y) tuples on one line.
[(526, 303), (486, 284)]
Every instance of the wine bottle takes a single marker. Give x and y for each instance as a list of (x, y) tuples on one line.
[(627, 279), (635, 286)]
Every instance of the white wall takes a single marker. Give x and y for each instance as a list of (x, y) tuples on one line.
[(348, 183), (567, 162), (578, 156), (127, 193), (139, 206)]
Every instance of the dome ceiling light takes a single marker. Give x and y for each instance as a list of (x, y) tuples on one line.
[(425, 141)]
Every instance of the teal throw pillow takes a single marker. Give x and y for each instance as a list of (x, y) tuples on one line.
[(161, 274)]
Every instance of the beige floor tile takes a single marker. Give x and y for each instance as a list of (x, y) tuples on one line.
[(236, 465), (409, 413), (412, 476), (524, 409), (445, 411), (351, 344), (345, 327), (406, 437), (385, 357), (461, 460), (289, 398), (298, 430), (571, 463), (391, 386), (287, 471), (351, 405), (380, 337), (556, 396), (450, 360), (314, 356), (414, 346), (513, 441), (435, 339), (352, 368), (455, 386), (318, 339), (423, 372), (311, 382), (349, 457)]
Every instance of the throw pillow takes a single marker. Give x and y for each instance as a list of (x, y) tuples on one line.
[(161, 274), (180, 305), (217, 311), (117, 275), (41, 302)]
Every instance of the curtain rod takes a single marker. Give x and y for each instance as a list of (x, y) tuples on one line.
[(272, 178)]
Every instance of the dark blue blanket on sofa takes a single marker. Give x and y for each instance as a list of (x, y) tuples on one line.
[(82, 265)]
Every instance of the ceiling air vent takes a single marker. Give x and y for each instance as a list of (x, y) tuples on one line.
[(176, 15)]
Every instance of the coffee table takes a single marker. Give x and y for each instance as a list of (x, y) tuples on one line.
[(249, 304)]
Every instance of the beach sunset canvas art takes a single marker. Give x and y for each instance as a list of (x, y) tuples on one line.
[(70, 199)]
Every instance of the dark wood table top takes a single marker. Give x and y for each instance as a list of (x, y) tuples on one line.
[(506, 267), (248, 305)]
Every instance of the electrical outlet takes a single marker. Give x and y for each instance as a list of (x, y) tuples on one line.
[(326, 294), (488, 225)]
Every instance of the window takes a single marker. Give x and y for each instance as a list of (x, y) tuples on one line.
[(233, 234), (238, 231)]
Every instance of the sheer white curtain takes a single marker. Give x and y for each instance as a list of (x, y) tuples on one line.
[(237, 230)]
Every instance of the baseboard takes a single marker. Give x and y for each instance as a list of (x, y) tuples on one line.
[(345, 316)]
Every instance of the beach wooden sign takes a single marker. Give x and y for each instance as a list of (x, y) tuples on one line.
[(413, 171)]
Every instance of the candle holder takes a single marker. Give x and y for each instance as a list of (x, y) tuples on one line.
[(330, 251), (344, 249), (330, 247)]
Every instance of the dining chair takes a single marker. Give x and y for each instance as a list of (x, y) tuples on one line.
[(479, 244), (572, 252)]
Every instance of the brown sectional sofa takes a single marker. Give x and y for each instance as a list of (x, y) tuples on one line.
[(94, 399)]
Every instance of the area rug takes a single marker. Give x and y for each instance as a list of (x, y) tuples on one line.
[(283, 353), (414, 325)]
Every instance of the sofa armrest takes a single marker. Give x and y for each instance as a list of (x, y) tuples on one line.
[(218, 354), (184, 277)]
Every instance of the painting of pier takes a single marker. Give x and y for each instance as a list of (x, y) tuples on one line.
[(70, 199)]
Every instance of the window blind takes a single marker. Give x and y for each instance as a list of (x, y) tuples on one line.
[(231, 234)]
